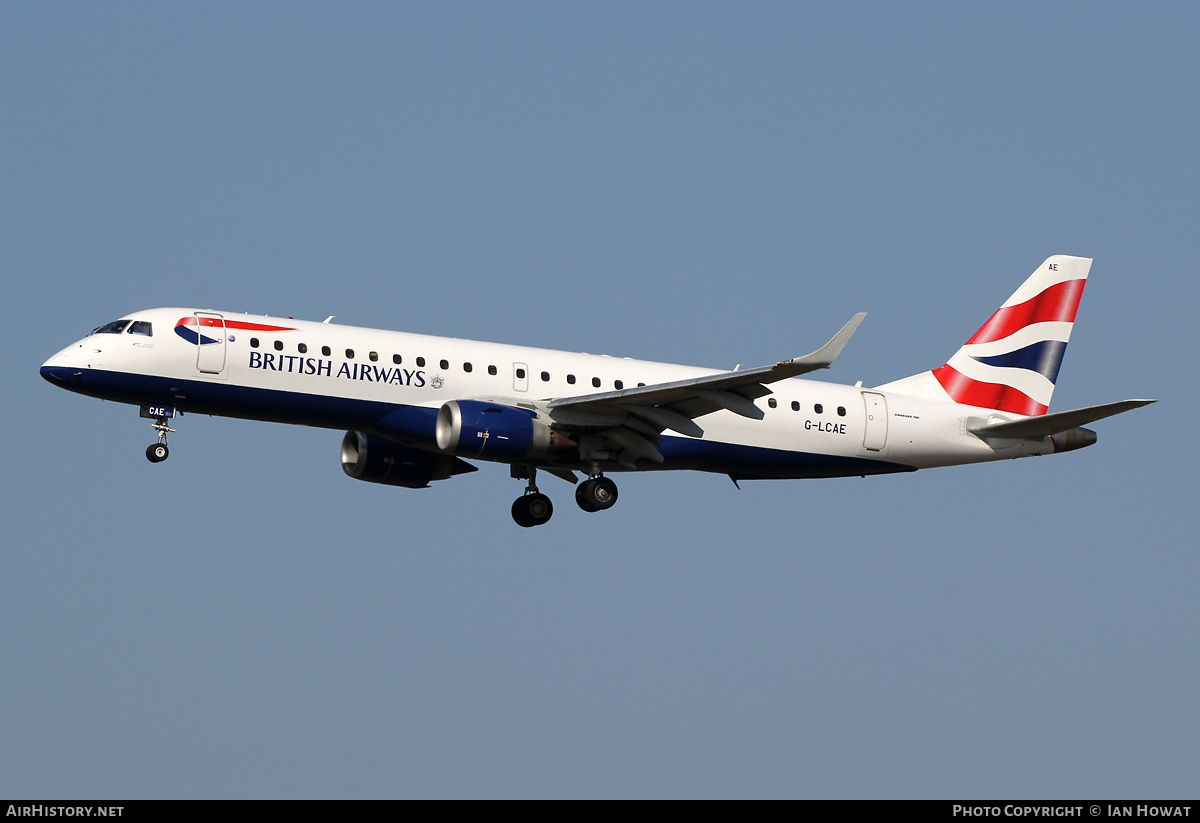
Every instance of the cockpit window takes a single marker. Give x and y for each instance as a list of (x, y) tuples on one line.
[(115, 327), (141, 327)]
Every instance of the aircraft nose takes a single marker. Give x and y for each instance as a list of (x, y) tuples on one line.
[(60, 375), (62, 369)]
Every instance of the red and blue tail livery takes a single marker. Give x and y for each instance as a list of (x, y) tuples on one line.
[(416, 408), (1011, 363)]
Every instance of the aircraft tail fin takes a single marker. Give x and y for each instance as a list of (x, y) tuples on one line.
[(1012, 362)]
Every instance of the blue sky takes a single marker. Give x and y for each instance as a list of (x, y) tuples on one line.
[(700, 183)]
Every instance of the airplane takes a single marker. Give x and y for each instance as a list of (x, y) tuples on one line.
[(417, 408)]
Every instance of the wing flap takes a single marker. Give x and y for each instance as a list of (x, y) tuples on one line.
[(665, 418), (730, 401), (636, 444)]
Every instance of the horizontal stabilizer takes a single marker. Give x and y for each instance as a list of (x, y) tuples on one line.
[(1047, 424)]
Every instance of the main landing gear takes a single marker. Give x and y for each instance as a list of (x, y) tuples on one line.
[(158, 452), (532, 508), (596, 494)]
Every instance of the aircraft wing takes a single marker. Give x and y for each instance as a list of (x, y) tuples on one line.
[(638, 416)]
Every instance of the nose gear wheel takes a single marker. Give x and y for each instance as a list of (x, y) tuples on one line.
[(158, 452)]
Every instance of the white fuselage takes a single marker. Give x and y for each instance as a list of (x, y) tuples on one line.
[(392, 384)]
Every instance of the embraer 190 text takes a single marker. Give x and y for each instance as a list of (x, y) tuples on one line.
[(415, 406)]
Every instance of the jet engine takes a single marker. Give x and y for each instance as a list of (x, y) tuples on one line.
[(493, 431), (376, 460)]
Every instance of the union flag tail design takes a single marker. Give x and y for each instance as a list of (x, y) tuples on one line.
[(1011, 363)]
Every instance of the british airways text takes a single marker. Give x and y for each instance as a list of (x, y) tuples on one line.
[(350, 371)]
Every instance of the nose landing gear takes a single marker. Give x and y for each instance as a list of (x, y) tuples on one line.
[(158, 452)]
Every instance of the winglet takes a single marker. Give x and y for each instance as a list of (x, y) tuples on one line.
[(823, 357)]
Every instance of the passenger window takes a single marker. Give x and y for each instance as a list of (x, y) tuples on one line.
[(819, 409), (795, 405), (278, 345), (619, 384), (325, 351), (444, 364), (467, 367), (596, 382), (520, 374), (254, 342), (772, 402), (374, 356), (491, 370), (841, 411), (545, 377), (140, 327), (302, 348), (421, 362), (571, 379), (349, 354), (396, 359)]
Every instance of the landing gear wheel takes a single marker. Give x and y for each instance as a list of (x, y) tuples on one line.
[(596, 495), (520, 514), (539, 507), (532, 510), (581, 496), (157, 452)]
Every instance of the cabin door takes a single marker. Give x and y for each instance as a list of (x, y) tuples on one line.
[(210, 349)]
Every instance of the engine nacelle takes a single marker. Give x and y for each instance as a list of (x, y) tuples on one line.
[(375, 460), (493, 431)]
